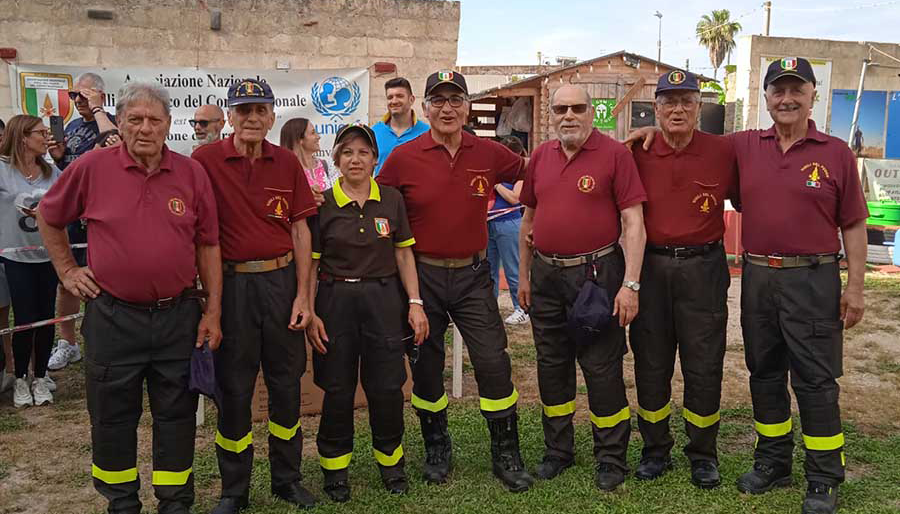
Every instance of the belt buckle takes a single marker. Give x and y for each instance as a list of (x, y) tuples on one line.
[(352, 280), (677, 250), (775, 261), (254, 266), (164, 303)]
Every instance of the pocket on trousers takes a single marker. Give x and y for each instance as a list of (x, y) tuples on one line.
[(828, 344)]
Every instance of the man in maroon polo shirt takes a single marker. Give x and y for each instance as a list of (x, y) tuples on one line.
[(446, 176), (152, 226), (577, 189), (263, 200), (688, 174)]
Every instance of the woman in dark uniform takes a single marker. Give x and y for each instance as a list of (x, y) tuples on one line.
[(367, 308)]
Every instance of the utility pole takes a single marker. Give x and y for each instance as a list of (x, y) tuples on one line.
[(854, 125), (659, 40), (768, 6)]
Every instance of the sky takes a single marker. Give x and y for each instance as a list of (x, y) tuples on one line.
[(512, 32)]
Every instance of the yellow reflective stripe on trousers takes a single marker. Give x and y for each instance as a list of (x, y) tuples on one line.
[(563, 409), (611, 421), (171, 477), (489, 405), (335, 463), (828, 443), (437, 406), (389, 460), (114, 477), (775, 429), (698, 420), (657, 415), (234, 446), (283, 433)]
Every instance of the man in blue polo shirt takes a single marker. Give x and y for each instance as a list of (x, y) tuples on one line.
[(399, 124)]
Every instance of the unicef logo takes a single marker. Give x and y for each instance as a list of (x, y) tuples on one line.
[(336, 97)]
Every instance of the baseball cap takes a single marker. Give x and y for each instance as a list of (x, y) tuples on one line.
[(446, 77), (361, 129), (250, 91), (789, 67), (677, 80)]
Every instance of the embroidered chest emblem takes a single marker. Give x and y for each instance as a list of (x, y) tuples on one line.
[(278, 207), (586, 184), (814, 172), (176, 206), (382, 227), (479, 185), (705, 202)]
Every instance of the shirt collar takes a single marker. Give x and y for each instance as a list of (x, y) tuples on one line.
[(386, 119), (661, 148), (232, 153), (812, 132), (428, 142), (341, 198), (165, 164)]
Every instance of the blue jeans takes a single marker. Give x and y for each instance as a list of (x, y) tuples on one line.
[(503, 249)]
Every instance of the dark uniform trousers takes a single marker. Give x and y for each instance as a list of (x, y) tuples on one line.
[(365, 322), (683, 307), (553, 292), (791, 322), (256, 309), (124, 346), (465, 295)]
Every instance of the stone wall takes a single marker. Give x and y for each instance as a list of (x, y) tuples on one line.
[(419, 36)]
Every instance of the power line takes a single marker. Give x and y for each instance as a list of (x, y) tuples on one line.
[(840, 8)]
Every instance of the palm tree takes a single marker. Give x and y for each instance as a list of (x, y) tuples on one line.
[(716, 32)]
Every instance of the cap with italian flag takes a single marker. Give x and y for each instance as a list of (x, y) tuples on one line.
[(446, 77)]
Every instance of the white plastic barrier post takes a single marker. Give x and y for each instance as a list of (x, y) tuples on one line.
[(201, 411), (457, 362)]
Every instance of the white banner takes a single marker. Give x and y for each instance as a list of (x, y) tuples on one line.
[(883, 177), (329, 98), (822, 70)]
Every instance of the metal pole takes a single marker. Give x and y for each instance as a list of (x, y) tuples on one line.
[(859, 92), (768, 6), (659, 39), (457, 362)]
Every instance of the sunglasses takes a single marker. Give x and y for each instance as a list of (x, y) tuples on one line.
[(202, 123), (562, 109), (439, 101), (75, 95)]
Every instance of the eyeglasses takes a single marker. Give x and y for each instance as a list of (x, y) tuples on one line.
[(44, 133), (202, 123), (74, 95), (670, 104), (561, 109), (439, 101)]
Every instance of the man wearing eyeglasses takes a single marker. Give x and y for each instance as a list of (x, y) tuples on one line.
[(688, 174), (446, 177), (81, 137), (581, 193), (208, 122)]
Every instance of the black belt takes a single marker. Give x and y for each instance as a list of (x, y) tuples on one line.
[(162, 303), (684, 252), (328, 277)]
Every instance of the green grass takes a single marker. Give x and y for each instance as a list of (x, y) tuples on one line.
[(873, 486), (11, 421)]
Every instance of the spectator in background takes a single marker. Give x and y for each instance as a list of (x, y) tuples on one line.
[(208, 122), (82, 135), (299, 136), (399, 124), (7, 377), (2, 128), (504, 219), (24, 178)]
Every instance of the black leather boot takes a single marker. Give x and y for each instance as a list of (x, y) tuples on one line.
[(438, 448), (763, 478), (337, 485), (505, 456)]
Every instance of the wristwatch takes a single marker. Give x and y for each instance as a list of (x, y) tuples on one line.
[(631, 284), (417, 301)]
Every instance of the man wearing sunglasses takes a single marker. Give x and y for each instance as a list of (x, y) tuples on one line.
[(208, 122), (446, 177), (81, 137), (581, 193)]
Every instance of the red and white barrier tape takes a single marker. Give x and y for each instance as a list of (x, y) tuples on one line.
[(502, 212), (37, 324), (33, 248)]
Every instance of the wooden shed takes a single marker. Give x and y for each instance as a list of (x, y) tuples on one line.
[(622, 86)]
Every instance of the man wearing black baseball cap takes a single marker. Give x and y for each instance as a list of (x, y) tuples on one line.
[(446, 176), (266, 251), (687, 174), (798, 188)]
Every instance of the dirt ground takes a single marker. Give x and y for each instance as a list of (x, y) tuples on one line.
[(45, 452)]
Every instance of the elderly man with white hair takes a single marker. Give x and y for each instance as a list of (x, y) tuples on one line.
[(153, 224)]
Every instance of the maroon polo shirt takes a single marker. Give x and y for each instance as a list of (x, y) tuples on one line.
[(257, 200), (447, 197), (686, 189), (577, 202), (142, 229), (794, 202)]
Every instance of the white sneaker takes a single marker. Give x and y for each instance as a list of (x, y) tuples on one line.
[(7, 381), (51, 384), (41, 390), (518, 317), (64, 354), (22, 395)]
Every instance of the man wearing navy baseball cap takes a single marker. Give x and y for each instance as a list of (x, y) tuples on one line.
[(266, 254), (687, 174)]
